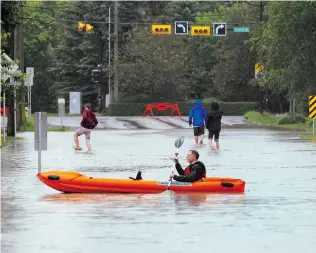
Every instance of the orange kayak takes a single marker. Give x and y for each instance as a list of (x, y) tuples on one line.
[(74, 182)]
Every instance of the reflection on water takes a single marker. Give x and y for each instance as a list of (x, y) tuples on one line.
[(275, 214), (124, 200)]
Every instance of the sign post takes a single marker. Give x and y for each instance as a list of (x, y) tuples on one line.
[(61, 109), (29, 84), (4, 120), (40, 135), (312, 111), (74, 102), (14, 83)]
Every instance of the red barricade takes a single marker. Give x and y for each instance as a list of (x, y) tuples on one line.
[(162, 107)]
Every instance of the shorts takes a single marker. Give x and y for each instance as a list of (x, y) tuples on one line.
[(84, 131), (198, 130), (214, 133)]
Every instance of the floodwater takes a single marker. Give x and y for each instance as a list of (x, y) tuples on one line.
[(275, 214)]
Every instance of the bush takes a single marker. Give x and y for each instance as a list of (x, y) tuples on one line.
[(260, 118), (137, 109), (28, 125), (292, 120), (310, 122)]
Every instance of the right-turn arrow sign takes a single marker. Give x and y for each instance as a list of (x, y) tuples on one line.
[(219, 29)]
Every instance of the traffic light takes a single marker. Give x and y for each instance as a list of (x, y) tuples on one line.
[(82, 26), (89, 28), (161, 29), (200, 30)]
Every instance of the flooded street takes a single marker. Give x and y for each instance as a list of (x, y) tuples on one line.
[(275, 214)]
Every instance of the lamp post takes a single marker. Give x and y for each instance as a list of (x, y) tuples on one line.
[(96, 74)]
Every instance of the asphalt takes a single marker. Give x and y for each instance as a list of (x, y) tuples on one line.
[(127, 122)]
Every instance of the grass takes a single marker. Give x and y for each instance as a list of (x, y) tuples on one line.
[(260, 118), (272, 120), (9, 139), (308, 137), (66, 115), (58, 129), (29, 126)]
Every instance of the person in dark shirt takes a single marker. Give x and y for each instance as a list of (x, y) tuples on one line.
[(213, 124), (194, 172), (85, 128)]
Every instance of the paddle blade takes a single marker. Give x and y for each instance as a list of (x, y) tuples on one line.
[(179, 141)]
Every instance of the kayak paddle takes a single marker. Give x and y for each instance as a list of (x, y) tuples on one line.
[(178, 143)]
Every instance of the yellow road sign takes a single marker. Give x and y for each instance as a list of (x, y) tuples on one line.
[(312, 107), (161, 29)]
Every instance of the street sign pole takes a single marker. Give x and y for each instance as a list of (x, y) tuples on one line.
[(40, 136), (61, 109), (30, 109), (0, 117), (4, 121), (29, 84), (312, 111), (39, 143), (14, 97), (313, 129)]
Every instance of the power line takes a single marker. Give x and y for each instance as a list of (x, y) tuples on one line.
[(127, 23)]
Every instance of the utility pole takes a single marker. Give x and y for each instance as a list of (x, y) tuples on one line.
[(21, 58), (261, 11), (18, 54), (100, 67), (116, 96), (109, 63)]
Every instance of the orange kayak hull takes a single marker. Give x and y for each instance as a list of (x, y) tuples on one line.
[(74, 182)]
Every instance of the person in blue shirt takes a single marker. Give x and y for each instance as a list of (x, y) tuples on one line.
[(198, 116)]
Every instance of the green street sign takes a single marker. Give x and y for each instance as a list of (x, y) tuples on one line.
[(241, 29)]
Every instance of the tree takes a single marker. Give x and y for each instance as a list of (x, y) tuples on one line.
[(234, 69), (80, 52), (286, 47), (42, 35), (157, 68), (10, 16)]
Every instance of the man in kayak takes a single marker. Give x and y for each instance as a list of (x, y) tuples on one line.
[(194, 172), (213, 124), (198, 116), (88, 122)]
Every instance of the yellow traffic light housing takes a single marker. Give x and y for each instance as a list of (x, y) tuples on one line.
[(200, 30), (81, 26), (161, 29), (89, 28)]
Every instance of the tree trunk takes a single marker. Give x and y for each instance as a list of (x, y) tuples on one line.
[(281, 106), (10, 104), (20, 55)]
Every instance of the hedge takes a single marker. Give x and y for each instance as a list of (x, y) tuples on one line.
[(137, 109)]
